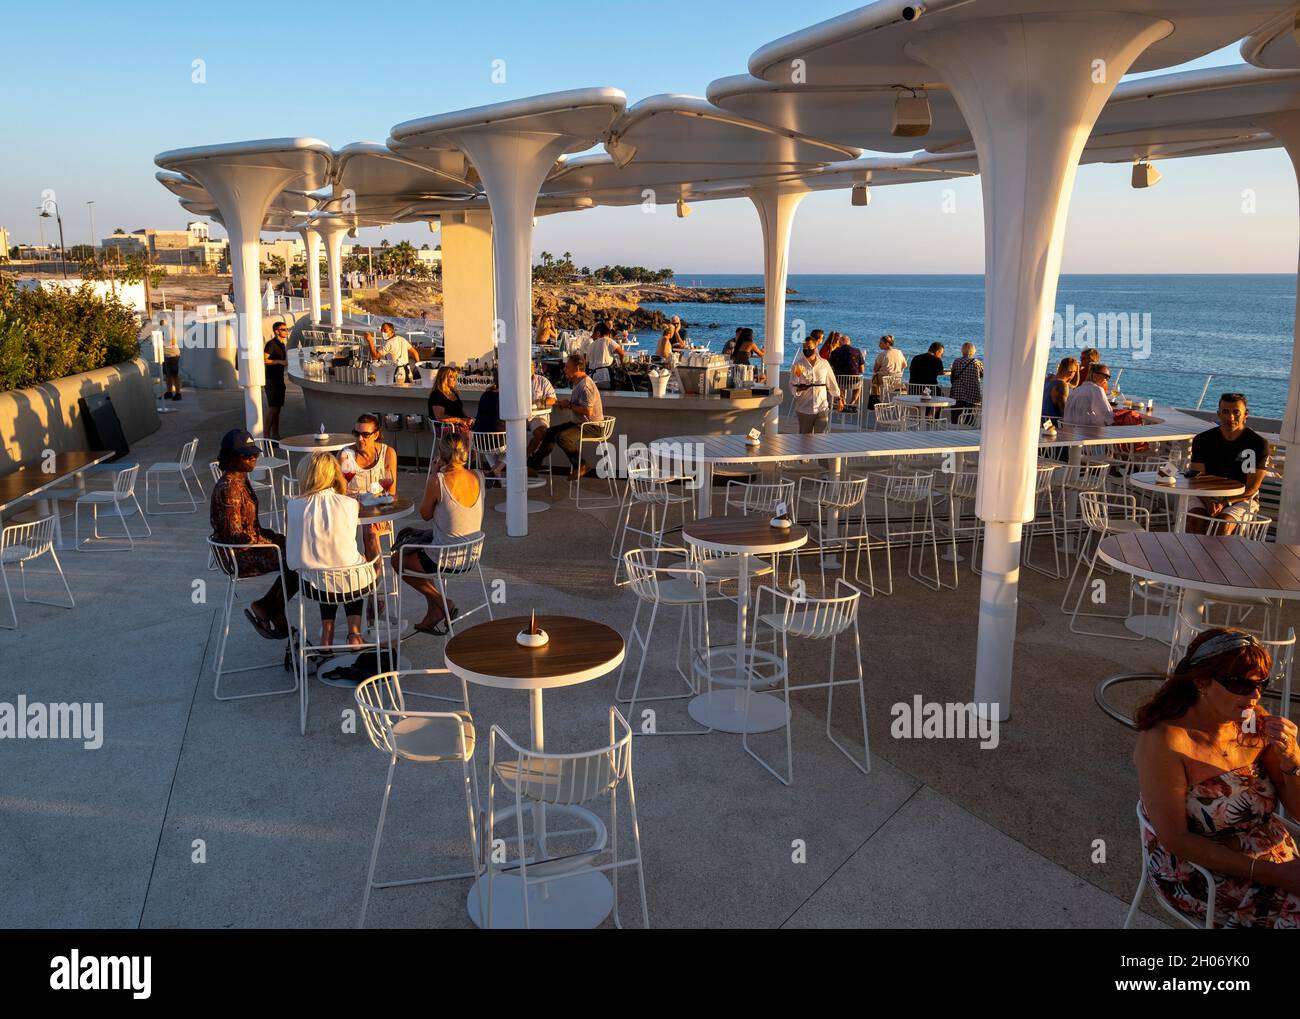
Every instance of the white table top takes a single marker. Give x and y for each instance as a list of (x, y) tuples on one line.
[(1203, 486), (917, 400)]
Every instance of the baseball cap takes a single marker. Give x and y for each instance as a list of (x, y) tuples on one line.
[(237, 440)]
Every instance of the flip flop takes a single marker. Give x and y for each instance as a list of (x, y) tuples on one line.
[(264, 627)]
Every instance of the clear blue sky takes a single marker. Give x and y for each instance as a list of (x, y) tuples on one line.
[(94, 91)]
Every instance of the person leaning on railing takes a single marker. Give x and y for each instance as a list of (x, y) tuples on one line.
[(967, 375), (1213, 765)]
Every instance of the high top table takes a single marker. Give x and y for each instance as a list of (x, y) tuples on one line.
[(742, 536), (697, 454), (29, 482), (579, 650)]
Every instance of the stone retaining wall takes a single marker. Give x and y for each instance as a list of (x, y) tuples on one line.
[(49, 416)]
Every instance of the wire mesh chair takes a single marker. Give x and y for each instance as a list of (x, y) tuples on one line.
[(23, 544), (1148, 842), (563, 780), (814, 619), (666, 587), (597, 434), (888, 417), (654, 492), (454, 559), (418, 737), (335, 586), (960, 488), (227, 559), (906, 497), (120, 502), (839, 522), (1044, 520), (1103, 513), (183, 469)]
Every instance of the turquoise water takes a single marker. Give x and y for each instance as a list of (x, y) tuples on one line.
[(1237, 327)]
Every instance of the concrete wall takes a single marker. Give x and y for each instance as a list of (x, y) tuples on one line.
[(48, 416)]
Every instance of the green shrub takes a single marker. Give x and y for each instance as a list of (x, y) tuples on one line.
[(48, 334)]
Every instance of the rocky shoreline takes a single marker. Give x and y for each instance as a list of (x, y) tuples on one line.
[(574, 305)]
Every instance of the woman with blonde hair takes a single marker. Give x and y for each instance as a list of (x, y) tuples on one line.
[(453, 502), (446, 407), (1213, 767), (322, 535), (546, 331), (664, 350)]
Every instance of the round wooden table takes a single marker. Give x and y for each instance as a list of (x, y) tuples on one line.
[(726, 710), (1202, 564), (1204, 486), (579, 650)]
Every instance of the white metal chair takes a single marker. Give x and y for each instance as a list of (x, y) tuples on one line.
[(485, 449), (451, 560), (811, 619), (120, 502), (264, 477), (681, 586), (183, 469), (1104, 514), (960, 488), (563, 780), (888, 417), (1044, 520), (1073, 480), (418, 737), (841, 500), (1146, 837), (226, 557), (907, 495), (597, 434), (851, 389), (25, 543), (654, 493), (258, 481), (333, 587)]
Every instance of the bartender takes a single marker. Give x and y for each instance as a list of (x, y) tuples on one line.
[(601, 352)]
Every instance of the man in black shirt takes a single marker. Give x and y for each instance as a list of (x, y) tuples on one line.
[(1230, 451), (847, 361), (927, 367)]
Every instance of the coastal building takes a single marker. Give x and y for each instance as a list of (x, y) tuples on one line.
[(189, 247)]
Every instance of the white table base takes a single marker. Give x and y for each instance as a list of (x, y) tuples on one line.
[(580, 902), (534, 506), (724, 710)]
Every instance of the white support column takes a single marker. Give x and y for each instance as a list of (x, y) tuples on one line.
[(468, 299), (1031, 88), (776, 205), (512, 166), (1285, 127), (243, 193), (332, 232), (312, 240)]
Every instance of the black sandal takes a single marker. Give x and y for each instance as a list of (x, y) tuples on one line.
[(264, 627)]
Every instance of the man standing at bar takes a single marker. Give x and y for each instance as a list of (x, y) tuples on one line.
[(814, 389)]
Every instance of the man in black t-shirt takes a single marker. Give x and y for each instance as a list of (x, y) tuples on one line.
[(927, 367), (1230, 451)]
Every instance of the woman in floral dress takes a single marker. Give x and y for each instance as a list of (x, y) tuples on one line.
[(1212, 765)]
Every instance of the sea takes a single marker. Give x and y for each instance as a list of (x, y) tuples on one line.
[(1166, 333)]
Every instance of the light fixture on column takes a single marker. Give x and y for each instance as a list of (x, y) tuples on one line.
[(911, 115), (353, 233), (861, 194), (683, 210), (1145, 175), (435, 225), (913, 12), (620, 151)]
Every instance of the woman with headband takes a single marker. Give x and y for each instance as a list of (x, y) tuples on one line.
[(1213, 767)]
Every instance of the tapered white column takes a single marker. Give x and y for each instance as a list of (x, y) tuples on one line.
[(512, 166), (776, 205), (1285, 127), (312, 241), (243, 193), (332, 232), (1030, 88)]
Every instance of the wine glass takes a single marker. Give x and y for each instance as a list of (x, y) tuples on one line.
[(386, 482), (348, 464)]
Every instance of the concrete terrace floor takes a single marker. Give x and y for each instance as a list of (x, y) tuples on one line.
[(939, 834)]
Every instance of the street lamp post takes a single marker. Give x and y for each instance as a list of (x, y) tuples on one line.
[(58, 216)]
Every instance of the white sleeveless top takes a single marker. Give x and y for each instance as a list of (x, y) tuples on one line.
[(452, 521), (364, 477)]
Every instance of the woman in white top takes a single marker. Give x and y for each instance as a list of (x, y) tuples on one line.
[(322, 535), (453, 501)]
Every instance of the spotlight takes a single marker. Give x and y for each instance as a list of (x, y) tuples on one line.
[(353, 233), (861, 194), (435, 225), (1145, 175), (683, 210), (911, 116), (620, 151)]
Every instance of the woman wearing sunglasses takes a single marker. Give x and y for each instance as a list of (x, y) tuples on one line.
[(372, 462), (1213, 767)]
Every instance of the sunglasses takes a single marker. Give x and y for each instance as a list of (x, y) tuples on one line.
[(1241, 686), (363, 435)]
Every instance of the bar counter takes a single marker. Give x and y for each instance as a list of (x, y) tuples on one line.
[(641, 417)]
